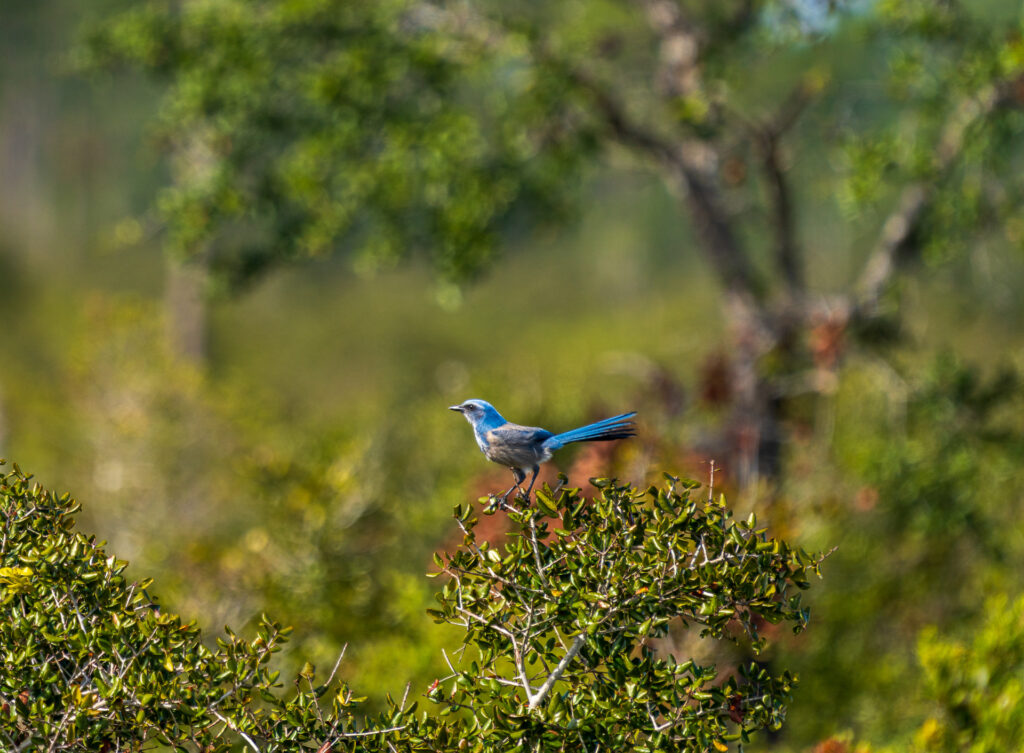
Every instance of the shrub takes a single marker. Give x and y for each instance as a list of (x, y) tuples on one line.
[(559, 622), (976, 684)]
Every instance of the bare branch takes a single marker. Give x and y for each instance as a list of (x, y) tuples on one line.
[(448, 662), (370, 732), (493, 626), (685, 165), (231, 725), (679, 72), (768, 138), (554, 677), (337, 664), (787, 255), (520, 661), (896, 245), (329, 744), (536, 552)]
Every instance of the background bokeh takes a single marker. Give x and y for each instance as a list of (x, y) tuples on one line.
[(305, 466)]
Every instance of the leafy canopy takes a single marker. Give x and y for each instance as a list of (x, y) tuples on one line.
[(305, 128), (301, 128)]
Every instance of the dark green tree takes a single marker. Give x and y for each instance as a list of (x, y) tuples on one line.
[(379, 130)]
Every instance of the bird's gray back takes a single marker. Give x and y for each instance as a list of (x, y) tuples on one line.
[(517, 446)]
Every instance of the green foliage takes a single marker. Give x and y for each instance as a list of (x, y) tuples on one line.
[(566, 616), (919, 535), (240, 494), (971, 687), (953, 69), (921, 532), (977, 684), (300, 129), (306, 128), (956, 420), (91, 662), (242, 513)]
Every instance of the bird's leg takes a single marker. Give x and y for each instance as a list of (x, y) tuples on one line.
[(519, 477), (536, 470)]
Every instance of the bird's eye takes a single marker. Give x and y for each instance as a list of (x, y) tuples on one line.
[(470, 407)]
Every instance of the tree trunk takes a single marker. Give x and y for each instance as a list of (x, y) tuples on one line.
[(755, 428), (187, 311), (3, 424)]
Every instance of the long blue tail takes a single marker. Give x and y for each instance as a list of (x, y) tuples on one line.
[(616, 427)]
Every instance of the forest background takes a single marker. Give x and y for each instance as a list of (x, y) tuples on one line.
[(268, 433)]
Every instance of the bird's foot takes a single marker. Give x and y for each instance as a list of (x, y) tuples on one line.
[(501, 502)]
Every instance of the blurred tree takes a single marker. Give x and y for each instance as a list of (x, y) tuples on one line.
[(300, 129), (211, 487), (972, 685), (976, 684), (920, 537)]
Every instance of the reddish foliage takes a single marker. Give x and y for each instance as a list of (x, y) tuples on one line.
[(714, 380), (736, 709), (734, 171), (866, 499), (832, 745), (827, 341)]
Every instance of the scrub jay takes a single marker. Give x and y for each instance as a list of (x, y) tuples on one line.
[(523, 448)]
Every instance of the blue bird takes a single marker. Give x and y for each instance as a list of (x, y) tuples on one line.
[(524, 448)]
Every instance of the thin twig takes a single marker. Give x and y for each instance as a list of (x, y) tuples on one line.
[(536, 553), (488, 623), (369, 732), (337, 664), (229, 723)]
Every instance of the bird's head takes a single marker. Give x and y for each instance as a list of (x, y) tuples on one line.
[(479, 413)]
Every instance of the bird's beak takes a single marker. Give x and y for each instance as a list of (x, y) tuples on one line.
[(457, 408)]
